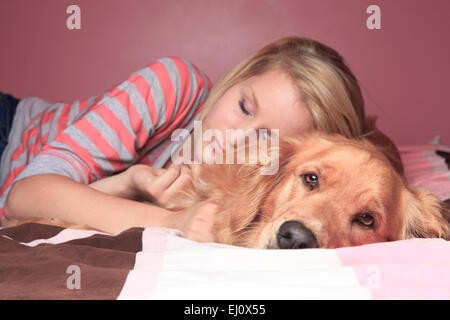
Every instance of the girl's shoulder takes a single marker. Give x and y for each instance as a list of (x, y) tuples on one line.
[(178, 70)]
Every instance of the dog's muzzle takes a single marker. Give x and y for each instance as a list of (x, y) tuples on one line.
[(294, 235)]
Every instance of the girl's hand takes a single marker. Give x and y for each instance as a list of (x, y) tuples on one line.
[(196, 223), (157, 185)]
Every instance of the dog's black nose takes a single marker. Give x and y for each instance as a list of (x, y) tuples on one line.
[(294, 235)]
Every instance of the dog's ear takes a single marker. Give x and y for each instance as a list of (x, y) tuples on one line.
[(425, 216), (241, 190), (250, 193)]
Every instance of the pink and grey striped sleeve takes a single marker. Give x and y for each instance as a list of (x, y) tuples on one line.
[(126, 123)]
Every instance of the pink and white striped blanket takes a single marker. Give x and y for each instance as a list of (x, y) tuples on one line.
[(48, 262), (428, 167)]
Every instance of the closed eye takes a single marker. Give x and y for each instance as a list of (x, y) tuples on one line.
[(244, 109)]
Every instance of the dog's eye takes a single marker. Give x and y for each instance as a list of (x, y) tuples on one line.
[(311, 180), (365, 220)]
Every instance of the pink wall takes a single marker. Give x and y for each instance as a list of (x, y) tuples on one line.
[(404, 68)]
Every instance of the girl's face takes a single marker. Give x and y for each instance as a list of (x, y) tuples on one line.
[(268, 101)]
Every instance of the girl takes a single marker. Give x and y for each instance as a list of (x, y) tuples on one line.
[(87, 162)]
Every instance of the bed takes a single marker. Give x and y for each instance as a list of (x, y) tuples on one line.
[(49, 262)]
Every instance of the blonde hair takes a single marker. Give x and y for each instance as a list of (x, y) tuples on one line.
[(325, 83)]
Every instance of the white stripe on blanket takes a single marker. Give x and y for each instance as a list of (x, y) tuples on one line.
[(171, 267), (64, 236)]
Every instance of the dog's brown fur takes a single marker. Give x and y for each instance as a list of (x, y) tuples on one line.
[(354, 178)]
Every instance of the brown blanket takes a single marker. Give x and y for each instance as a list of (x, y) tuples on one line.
[(50, 271)]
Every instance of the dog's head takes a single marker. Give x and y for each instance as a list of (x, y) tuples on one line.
[(334, 192)]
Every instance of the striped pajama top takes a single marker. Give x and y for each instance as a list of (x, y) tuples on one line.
[(94, 138)]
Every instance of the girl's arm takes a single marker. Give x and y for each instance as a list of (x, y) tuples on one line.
[(56, 196), (77, 203), (112, 134)]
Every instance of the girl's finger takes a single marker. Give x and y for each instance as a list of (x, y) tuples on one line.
[(176, 186), (186, 170), (157, 171), (140, 176), (162, 182)]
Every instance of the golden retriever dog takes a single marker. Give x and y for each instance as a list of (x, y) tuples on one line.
[(328, 192)]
